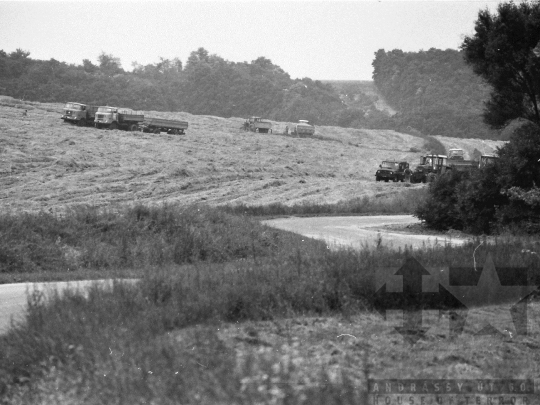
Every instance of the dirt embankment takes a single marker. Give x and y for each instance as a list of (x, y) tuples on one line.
[(47, 164)]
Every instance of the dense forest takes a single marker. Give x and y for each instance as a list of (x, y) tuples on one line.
[(434, 92)]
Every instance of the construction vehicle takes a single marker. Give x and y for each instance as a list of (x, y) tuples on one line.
[(80, 114), (117, 118), (392, 170), (158, 125), (257, 124), (303, 128), (429, 168)]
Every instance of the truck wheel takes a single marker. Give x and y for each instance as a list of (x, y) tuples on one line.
[(82, 122), (157, 131), (133, 127), (386, 180), (98, 126), (113, 126), (377, 178)]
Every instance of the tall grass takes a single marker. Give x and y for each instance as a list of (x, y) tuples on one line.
[(117, 346), (393, 203), (138, 237)]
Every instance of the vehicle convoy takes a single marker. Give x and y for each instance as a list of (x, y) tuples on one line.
[(80, 114), (392, 170), (157, 125), (117, 118), (257, 124), (303, 128), (432, 166)]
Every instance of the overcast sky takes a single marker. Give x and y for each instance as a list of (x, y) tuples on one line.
[(325, 40)]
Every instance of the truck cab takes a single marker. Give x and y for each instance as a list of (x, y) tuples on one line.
[(77, 113), (303, 128), (456, 154), (117, 118), (257, 124)]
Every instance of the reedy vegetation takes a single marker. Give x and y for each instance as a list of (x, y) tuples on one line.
[(118, 347)]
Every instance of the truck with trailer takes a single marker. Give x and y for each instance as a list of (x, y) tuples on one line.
[(303, 128), (158, 125), (79, 114), (117, 118)]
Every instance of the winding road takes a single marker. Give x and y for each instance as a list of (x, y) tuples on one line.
[(361, 232), (355, 232)]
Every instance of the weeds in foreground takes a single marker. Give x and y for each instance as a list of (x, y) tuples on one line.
[(118, 346), (404, 202)]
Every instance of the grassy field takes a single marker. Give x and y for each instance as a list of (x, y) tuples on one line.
[(48, 165)]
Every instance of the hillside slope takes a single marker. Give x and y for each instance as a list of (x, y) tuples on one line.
[(47, 164)]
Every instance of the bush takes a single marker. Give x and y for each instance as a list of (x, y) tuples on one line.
[(481, 202), (439, 210)]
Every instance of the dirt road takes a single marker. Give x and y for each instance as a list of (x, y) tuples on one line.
[(365, 231)]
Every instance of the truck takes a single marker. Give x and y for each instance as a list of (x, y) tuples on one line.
[(157, 125), (303, 128), (117, 118), (257, 124), (80, 114), (392, 170), (456, 161)]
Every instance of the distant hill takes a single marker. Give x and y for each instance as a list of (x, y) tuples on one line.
[(434, 91)]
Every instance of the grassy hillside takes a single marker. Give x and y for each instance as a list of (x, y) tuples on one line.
[(47, 164)]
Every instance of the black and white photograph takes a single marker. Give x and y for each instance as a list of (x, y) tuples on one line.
[(283, 202)]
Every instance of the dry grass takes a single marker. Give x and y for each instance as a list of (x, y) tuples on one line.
[(46, 164)]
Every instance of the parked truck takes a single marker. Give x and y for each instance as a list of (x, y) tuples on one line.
[(303, 128), (117, 118), (456, 161), (158, 125), (80, 114), (392, 170), (257, 124)]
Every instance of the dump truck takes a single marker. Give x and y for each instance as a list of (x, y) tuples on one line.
[(117, 118), (257, 124), (303, 128), (158, 125), (392, 170), (80, 114)]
